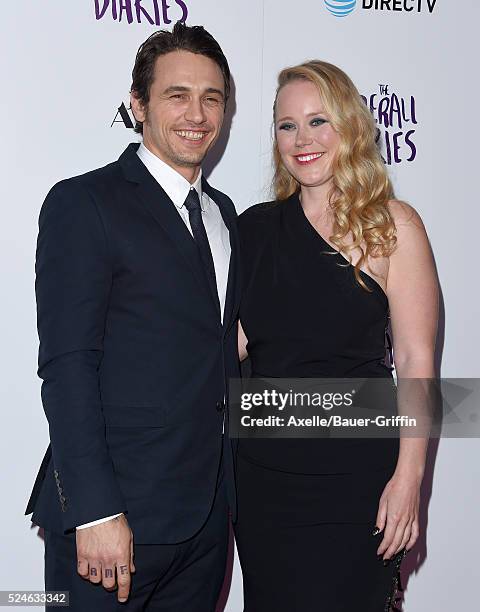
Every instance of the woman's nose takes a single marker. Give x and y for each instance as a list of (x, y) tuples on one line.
[(303, 138)]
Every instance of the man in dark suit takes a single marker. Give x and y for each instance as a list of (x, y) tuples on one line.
[(137, 296)]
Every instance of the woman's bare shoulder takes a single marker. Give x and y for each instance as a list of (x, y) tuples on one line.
[(405, 215)]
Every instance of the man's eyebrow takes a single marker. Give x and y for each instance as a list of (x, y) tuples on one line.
[(213, 90), (173, 88), (182, 88)]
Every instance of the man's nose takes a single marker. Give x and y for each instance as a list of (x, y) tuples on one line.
[(195, 112)]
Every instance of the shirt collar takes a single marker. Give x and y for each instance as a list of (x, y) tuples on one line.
[(171, 181)]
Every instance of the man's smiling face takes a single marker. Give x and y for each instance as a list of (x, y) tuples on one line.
[(184, 115)]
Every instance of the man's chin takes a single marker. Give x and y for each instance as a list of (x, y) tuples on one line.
[(189, 161)]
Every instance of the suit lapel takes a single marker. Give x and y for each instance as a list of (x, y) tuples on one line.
[(229, 218), (163, 210)]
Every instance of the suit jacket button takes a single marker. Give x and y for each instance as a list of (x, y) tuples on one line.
[(219, 406)]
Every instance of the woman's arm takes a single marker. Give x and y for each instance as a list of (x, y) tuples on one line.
[(412, 290), (242, 343)]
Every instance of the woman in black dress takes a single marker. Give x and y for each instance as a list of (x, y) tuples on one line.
[(324, 523)]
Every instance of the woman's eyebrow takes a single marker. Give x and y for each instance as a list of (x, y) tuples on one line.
[(309, 115)]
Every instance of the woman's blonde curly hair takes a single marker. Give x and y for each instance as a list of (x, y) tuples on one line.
[(361, 186)]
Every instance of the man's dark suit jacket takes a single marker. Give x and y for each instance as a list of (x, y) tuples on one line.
[(134, 359)]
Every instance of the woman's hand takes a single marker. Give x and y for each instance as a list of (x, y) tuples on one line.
[(398, 514)]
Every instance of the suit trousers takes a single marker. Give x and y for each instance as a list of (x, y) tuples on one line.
[(168, 577)]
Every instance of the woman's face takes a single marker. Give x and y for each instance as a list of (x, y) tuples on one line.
[(306, 140)]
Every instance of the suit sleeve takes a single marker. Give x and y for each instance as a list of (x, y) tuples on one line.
[(73, 283)]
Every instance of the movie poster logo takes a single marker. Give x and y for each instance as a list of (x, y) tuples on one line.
[(343, 8), (396, 118), (409, 6), (154, 12)]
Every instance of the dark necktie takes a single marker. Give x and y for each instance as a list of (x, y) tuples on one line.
[(192, 203)]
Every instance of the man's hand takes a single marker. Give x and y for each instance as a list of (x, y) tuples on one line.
[(105, 549)]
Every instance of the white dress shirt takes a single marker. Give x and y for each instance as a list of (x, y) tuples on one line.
[(177, 188)]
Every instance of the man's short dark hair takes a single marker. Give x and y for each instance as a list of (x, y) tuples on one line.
[(194, 39)]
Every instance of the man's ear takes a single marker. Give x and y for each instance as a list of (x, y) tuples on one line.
[(138, 109)]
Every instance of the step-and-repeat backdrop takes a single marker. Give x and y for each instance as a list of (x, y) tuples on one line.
[(66, 75)]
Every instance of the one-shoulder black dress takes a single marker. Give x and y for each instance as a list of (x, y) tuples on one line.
[(307, 507)]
